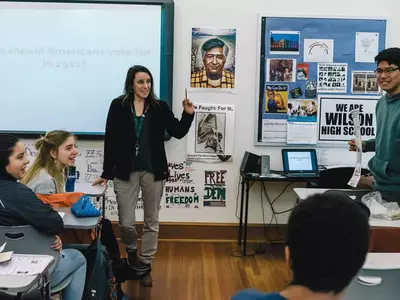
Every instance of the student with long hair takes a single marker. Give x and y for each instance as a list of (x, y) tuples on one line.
[(20, 206), (134, 158), (56, 151)]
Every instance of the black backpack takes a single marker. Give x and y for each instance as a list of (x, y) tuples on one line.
[(100, 282)]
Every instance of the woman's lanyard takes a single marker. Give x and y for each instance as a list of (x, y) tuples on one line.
[(138, 126)]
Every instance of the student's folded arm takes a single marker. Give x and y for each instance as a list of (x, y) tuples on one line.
[(38, 214)]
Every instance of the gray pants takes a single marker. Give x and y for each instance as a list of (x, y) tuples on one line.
[(127, 193)]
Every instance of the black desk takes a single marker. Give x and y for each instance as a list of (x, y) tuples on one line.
[(246, 180)]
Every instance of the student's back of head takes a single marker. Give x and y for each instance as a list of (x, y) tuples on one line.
[(327, 242)]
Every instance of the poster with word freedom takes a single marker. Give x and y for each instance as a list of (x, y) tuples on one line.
[(180, 188), (336, 123)]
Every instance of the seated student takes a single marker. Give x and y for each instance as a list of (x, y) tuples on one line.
[(56, 151), (20, 206), (326, 245)]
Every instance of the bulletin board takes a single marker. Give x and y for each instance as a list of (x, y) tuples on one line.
[(301, 60)]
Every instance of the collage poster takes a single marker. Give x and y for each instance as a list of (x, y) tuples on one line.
[(213, 59), (211, 138)]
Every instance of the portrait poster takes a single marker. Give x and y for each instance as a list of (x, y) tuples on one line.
[(213, 60)]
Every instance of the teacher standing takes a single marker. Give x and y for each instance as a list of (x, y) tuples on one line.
[(134, 158)]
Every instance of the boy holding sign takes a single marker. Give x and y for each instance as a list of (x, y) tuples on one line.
[(385, 164)]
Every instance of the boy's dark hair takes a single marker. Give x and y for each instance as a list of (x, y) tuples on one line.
[(391, 55), (328, 236)]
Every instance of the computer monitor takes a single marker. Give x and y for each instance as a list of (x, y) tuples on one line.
[(299, 161), (250, 163)]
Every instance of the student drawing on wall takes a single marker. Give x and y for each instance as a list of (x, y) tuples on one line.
[(275, 102), (213, 74)]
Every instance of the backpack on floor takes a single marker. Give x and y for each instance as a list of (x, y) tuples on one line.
[(100, 282)]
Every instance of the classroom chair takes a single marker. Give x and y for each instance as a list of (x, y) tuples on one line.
[(27, 240)]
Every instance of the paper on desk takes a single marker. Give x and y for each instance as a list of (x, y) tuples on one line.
[(382, 261), (355, 113), (25, 265), (3, 247), (5, 256), (62, 214)]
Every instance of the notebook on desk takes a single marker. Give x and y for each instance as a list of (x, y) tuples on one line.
[(300, 163)]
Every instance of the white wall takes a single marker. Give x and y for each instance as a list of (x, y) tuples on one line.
[(242, 15)]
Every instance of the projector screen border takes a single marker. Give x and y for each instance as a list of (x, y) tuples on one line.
[(166, 59)]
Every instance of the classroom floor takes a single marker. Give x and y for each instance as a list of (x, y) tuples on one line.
[(207, 271)]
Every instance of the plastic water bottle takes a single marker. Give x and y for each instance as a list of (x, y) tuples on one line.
[(71, 177)]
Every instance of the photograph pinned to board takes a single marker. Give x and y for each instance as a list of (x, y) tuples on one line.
[(311, 89), (367, 46), (284, 42), (213, 60), (281, 69), (302, 110), (302, 71), (276, 98), (302, 122), (332, 78), (296, 92), (335, 123), (364, 82), (211, 138), (318, 50), (274, 117)]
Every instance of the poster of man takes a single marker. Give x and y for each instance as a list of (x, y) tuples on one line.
[(213, 58), (276, 98)]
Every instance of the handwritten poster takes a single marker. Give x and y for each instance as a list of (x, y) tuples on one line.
[(214, 188), (180, 189)]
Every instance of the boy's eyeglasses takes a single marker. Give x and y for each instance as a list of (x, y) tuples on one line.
[(387, 71)]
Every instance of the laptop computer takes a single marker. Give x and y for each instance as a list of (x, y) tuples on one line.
[(300, 163)]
